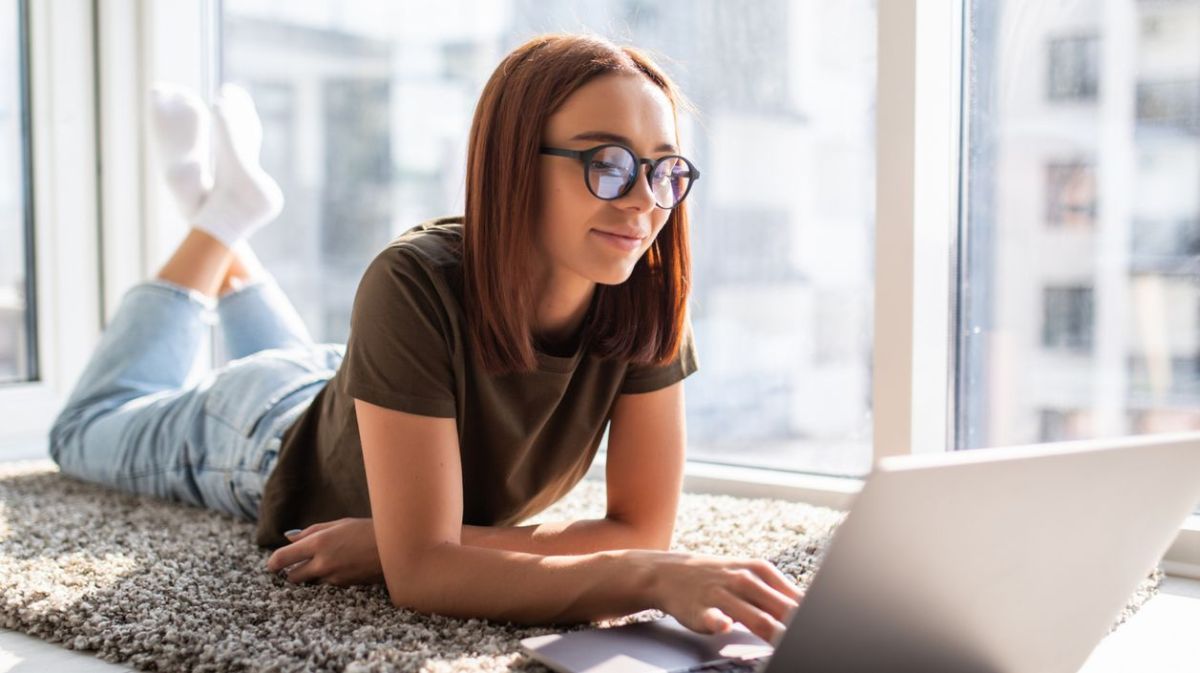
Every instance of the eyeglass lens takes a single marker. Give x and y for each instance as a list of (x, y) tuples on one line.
[(613, 168)]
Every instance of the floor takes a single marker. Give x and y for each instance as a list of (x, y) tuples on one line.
[(1160, 638)]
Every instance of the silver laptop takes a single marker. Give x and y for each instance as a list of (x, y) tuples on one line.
[(993, 560)]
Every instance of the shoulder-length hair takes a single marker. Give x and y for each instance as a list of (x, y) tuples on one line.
[(641, 320)]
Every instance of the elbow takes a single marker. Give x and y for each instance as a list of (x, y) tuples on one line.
[(412, 582), (653, 538), (657, 538), (428, 581)]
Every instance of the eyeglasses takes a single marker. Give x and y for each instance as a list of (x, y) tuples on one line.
[(610, 171)]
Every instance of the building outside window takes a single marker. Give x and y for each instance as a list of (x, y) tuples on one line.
[(1079, 314)]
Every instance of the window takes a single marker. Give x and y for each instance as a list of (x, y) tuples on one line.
[(1170, 103), (18, 357), (366, 110), (1067, 318), (1074, 68), (1126, 297), (1070, 195)]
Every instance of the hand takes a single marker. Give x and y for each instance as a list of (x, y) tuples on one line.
[(340, 552), (708, 593)]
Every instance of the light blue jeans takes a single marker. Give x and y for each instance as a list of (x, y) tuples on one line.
[(146, 416)]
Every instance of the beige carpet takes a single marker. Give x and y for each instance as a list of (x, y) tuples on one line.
[(166, 587)]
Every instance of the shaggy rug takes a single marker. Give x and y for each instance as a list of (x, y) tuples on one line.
[(167, 587)]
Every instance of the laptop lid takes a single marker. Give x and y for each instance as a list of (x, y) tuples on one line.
[(1002, 559)]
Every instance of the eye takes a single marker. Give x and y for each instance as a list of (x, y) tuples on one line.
[(598, 165)]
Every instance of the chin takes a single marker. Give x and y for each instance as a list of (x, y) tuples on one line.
[(614, 277)]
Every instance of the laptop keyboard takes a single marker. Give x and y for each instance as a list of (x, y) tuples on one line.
[(731, 666)]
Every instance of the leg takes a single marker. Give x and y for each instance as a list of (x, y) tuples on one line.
[(255, 313), (199, 263), (136, 422), (133, 391), (134, 419)]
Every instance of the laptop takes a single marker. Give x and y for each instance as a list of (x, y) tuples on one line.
[(982, 561)]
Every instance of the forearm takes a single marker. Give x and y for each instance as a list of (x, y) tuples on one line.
[(559, 537), (465, 581)]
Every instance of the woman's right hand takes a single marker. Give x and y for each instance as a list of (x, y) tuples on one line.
[(708, 593)]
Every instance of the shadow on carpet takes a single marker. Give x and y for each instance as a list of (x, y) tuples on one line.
[(161, 586)]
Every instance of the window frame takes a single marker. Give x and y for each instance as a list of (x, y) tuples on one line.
[(59, 80), (919, 104)]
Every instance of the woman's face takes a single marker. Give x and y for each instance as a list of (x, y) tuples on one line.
[(621, 108)]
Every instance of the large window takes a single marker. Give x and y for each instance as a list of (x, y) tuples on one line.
[(17, 319), (1081, 286), (366, 109)]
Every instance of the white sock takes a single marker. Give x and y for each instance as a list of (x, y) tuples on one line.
[(180, 121), (243, 196)]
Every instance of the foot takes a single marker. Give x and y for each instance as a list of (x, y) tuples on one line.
[(180, 123), (243, 196)]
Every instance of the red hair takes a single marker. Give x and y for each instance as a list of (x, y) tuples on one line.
[(641, 320)]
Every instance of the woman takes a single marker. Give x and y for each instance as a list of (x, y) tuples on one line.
[(486, 355)]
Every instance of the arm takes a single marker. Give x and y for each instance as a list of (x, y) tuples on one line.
[(462, 581), (558, 537), (644, 468), (644, 476), (414, 479)]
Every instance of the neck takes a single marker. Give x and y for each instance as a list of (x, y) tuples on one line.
[(561, 306)]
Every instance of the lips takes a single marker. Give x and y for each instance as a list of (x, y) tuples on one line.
[(634, 235)]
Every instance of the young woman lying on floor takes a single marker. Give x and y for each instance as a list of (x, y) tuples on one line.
[(486, 355)]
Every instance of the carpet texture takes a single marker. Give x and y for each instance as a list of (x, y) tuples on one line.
[(166, 587)]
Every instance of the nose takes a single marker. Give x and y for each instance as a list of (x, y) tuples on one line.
[(640, 196)]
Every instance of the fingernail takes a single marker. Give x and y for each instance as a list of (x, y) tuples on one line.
[(289, 533)]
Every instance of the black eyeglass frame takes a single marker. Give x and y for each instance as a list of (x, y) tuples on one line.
[(585, 156)]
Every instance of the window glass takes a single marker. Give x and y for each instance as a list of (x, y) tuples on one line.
[(367, 107), (1081, 291), (16, 307)]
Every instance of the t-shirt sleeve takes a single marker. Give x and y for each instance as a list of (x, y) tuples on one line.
[(398, 354), (645, 378)]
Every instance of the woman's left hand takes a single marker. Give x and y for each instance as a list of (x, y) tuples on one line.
[(340, 552)]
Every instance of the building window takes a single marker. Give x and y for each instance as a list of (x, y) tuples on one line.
[(1170, 103), (1070, 195), (1074, 68), (1067, 318)]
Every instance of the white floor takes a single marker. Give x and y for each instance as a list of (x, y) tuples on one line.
[(1160, 638)]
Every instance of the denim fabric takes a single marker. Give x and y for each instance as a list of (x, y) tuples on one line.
[(147, 417)]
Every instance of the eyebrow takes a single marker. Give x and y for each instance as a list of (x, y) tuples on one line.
[(605, 136)]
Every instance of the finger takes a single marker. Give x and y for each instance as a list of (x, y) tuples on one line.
[(311, 529), (716, 621), (289, 555), (305, 571), (775, 578), (758, 621), (752, 588), (710, 620)]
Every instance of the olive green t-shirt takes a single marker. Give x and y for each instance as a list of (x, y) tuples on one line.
[(525, 439)]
